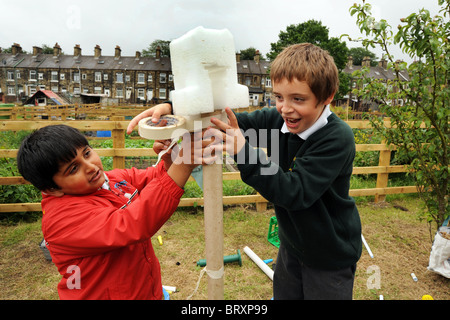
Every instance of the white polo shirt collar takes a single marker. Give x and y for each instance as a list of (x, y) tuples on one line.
[(320, 123)]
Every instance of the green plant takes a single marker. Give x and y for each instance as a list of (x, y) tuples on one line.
[(419, 108)]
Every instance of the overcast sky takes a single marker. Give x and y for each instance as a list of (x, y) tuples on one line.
[(134, 24)]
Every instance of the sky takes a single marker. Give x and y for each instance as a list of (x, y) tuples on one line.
[(134, 24)]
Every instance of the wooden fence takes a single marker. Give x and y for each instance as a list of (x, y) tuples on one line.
[(117, 125), (68, 112)]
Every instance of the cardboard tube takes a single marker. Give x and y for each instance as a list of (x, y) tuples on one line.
[(213, 206), (259, 262)]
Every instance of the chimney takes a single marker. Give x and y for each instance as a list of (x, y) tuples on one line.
[(117, 53), (36, 51), (383, 63), (138, 55), (350, 62), (257, 56), (76, 50), (158, 52), (365, 62), (97, 51), (238, 57), (56, 50), (16, 49)]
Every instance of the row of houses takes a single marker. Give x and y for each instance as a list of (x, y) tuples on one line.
[(119, 79), (128, 79)]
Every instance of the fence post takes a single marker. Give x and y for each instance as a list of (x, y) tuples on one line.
[(14, 113), (383, 178), (118, 136)]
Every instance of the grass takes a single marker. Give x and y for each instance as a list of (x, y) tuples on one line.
[(400, 242)]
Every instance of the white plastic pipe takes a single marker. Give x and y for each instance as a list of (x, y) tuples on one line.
[(367, 246), (259, 262)]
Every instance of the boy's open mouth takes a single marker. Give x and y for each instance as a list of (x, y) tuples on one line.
[(291, 122)]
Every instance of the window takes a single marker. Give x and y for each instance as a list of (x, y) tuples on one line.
[(141, 94), (17, 74), (141, 77), (84, 76), (119, 93), (55, 88), (40, 76), (76, 90), (248, 81), (33, 75), (268, 82), (62, 76), (98, 76), (105, 76), (54, 76), (162, 78), (162, 93), (10, 75), (150, 78), (76, 77), (119, 78), (170, 77), (11, 91), (127, 78), (98, 90)]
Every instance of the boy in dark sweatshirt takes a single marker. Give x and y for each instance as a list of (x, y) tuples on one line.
[(307, 176)]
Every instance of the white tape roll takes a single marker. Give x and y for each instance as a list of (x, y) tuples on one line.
[(151, 131)]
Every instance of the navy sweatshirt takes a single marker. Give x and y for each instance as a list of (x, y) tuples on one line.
[(308, 182)]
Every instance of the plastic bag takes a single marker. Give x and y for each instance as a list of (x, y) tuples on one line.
[(440, 253)]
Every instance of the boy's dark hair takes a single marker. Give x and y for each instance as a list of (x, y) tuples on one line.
[(43, 151)]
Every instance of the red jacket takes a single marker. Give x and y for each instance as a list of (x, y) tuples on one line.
[(101, 242)]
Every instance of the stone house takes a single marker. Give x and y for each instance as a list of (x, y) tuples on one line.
[(123, 79), (126, 79), (380, 72), (255, 75)]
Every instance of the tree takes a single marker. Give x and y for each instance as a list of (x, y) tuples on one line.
[(249, 54), (47, 49), (419, 126), (358, 55), (151, 50), (314, 32)]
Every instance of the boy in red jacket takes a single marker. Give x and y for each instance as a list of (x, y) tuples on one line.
[(98, 225)]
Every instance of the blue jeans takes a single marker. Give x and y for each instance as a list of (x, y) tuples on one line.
[(293, 280)]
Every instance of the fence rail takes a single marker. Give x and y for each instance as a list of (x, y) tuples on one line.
[(117, 125)]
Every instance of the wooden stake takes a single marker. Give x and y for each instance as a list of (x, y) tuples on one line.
[(213, 205)]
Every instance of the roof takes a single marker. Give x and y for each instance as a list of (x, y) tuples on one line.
[(253, 67), (63, 61), (49, 94), (378, 72)]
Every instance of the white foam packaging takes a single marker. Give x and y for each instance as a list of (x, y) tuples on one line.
[(205, 74)]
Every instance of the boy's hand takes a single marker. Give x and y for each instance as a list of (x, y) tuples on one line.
[(155, 112), (197, 148), (161, 145), (230, 133)]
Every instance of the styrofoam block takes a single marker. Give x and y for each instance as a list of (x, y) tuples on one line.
[(205, 75)]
